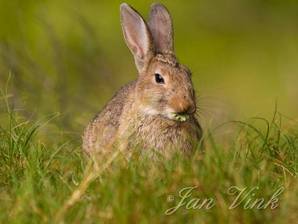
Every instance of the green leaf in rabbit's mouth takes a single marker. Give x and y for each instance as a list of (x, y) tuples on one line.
[(180, 117)]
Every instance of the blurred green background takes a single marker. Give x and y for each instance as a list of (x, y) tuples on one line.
[(69, 56)]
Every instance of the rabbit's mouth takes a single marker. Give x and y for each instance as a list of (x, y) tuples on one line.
[(181, 117), (174, 116)]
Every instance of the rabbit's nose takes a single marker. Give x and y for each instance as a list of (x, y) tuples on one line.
[(188, 109), (192, 109), (182, 105), (185, 107)]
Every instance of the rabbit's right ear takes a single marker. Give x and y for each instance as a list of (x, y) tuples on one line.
[(137, 35)]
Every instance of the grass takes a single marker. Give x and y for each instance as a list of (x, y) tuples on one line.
[(57, 183)]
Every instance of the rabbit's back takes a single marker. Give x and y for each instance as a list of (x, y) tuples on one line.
[(102, 130)]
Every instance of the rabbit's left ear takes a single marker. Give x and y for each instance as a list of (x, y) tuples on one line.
[(160, 25)]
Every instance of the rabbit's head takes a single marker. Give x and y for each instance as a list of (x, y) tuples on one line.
[(164, 86)]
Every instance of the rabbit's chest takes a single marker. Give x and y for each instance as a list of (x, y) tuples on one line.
[(164, 135)]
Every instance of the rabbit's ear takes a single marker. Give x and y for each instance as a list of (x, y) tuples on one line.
[(137, 35), (160, 24)]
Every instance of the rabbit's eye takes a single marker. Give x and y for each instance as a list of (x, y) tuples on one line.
[(159, 79)]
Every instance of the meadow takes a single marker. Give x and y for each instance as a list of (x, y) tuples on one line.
[(57, 183), (60, 61)]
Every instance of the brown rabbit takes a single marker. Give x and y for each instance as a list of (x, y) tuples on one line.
[(156, 112)]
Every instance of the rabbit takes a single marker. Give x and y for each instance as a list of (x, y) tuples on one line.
[(156, 112)]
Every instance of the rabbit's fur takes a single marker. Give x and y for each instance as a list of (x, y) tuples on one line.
[(157, 111)]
